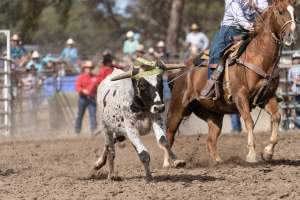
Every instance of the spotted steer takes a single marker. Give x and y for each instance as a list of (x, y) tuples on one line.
[(132, 107)]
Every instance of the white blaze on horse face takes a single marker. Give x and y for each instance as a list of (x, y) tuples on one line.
[(291, 11)]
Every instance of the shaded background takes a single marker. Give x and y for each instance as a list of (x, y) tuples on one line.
[(100, 24)]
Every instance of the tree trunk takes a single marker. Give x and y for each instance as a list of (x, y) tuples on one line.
[(174, 24)]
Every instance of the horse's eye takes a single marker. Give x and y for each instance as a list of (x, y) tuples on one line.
[(280, 12)]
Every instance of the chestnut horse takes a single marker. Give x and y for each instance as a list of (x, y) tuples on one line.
[(253, 78)]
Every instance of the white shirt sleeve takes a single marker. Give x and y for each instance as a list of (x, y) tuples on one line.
[(261, 5), (238, 15), (205, 41)]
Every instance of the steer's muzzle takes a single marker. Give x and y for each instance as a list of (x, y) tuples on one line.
[(157, 108)]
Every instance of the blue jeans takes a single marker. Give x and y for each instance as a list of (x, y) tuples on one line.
[(236, 122), (83, 103), (221, 41)]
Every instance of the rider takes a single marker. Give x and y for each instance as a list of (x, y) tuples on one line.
[(238, 18)]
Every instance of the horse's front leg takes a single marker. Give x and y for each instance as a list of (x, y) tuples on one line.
[(242, 103), (272, 108)]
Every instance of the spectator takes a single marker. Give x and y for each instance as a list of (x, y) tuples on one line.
[(150, 53), (197, 38), (17, 50), (140, 52), (236, 123), (294, 78), (129, 46), (35, 62), (70, 54), (106, 68), (86, 86), (30, 85), (162, 52)]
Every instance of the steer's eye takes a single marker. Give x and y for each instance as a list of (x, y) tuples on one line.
[(142, 85)]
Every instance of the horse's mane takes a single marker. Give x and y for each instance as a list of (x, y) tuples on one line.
[(259, 23)]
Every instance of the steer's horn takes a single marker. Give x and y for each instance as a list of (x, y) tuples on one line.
[(122, 76), (173, 66)]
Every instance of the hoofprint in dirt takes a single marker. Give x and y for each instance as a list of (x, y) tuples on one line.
[(62, 169)]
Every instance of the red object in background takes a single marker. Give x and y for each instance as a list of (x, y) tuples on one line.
[(104, 72), (88, 82)]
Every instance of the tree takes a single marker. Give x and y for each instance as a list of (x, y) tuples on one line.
[(174, 25)]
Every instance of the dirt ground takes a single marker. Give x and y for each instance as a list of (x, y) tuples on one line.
[(61, 169)]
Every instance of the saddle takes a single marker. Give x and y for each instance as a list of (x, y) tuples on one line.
[(232, 53)]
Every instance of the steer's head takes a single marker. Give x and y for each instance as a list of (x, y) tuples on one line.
[(147, 84)]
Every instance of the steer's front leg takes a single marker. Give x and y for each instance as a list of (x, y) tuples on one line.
[(160, 134), (133, 136)]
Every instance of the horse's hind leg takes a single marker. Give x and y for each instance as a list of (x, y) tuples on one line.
[(272, 108)]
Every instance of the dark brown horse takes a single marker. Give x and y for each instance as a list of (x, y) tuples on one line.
[(254, 80)]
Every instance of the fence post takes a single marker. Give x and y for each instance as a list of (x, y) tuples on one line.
[(7, 86)]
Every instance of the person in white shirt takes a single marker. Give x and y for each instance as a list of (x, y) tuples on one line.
[(197, 38), (294, 78), (239, 18)]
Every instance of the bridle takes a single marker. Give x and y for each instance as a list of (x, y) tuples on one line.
[(276, 13)]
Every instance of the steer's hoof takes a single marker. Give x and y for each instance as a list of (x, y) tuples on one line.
[(266, 156), (148, 179), (251, 158), (179, 163)]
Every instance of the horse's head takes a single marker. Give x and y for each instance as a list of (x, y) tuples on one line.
[(284, 24)]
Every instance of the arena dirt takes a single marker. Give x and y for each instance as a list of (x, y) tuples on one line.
[(62, 169)]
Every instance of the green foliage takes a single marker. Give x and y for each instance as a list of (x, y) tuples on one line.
[(48, 23)]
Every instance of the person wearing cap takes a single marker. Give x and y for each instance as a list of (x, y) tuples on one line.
[(130, 44), (35, 62), (30, 84), (140, 51), (70, 53), (106, 68), (86, 86), (294, 78), (17, 50), (161, 52), (197, 38)]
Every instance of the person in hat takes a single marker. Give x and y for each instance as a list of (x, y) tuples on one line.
[(140, 51), (35, 62), (161, 52), (86, 86), (107, 67), (70, 53), (30, 92), (17, 50), (130, 44), (294, 78), (197, 38)]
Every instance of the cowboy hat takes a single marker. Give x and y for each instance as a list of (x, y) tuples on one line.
[(194, 26), (129, 34), (140, 48), (160, 44), (15, 37), (87, 64), (70, 41), (35, 54)]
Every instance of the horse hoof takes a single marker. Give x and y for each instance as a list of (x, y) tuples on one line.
[(251, 158), (266, 156), (179, 163)]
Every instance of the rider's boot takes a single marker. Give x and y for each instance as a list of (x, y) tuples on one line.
[(207, 91)]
